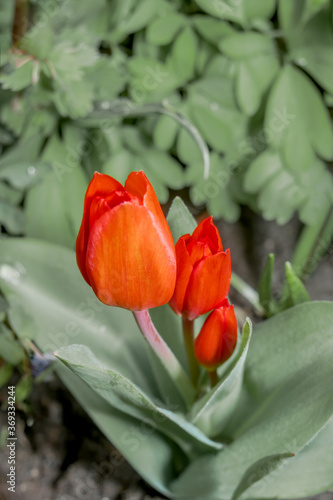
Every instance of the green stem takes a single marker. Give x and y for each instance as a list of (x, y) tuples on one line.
[(312, 245), (248, 293), (166, 356), (213, 377), (188, 332)]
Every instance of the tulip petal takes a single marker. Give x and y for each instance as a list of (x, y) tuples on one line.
[(184, 271), (138, 185), (218, 337), (209, 285), (128, 263), (99, 187), (207, 231)]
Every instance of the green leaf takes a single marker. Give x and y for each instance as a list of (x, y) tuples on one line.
[(164, 167), (287, 402), (11, 217), (140, 444), (212, 108), (21, 77), (293, 106), (164, 29), (282, 191), (265, 285), (125, 396), (297, 290), (309, 472), (10, 349), (165, 132), (183, 55), (213, 411), (54, 206), (240, 11), (66, 62), (315, 37), (30, 43), (256, 66), (6, 371), (23, 388), (74, 99), (180, 220), (211, 29), (7, 10), (187, 148), (260, 470)]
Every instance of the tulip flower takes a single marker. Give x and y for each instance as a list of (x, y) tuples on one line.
[(125, 249), (126, 253), (217, 338), (203, 272)]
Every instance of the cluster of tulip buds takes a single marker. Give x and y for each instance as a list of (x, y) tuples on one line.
[(126, 253)]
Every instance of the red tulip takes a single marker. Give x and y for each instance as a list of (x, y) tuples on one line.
[(218, 337), (203, 271), (124, 248)]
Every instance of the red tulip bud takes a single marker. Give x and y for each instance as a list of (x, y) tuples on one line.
[(203, 271), (218, 337), (124, 249)]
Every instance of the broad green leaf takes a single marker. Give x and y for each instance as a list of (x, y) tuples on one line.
[(24, 174), (10, 349), (74, 99), (7, 10), (240, 11), (183, 55), (248, 44), (294, 105), (54, 206), (212, 108), (290, 13), (212, 412), (164, 30), (6, 371), (282, 191), (140, 17), (67, 61), (21, 77), (259, 470), (306, 474), (288, 374), (149, 453), (23, 388), (126, 396), (297, 290), (30, 43), (187, 148), (305, 53), (151, 81), (24, 148), (11, 217), (165, 132), (265, 285), (180, 219), (211, 29)]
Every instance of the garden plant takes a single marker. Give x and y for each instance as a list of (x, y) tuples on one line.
[(128, 129)]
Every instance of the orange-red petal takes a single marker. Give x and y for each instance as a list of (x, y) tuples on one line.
[(129, 263), (208, 285), (184, 271), (218, 337)]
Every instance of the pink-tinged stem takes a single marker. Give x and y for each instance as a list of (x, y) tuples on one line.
[(188, 332), (213, 377), (165, 355)]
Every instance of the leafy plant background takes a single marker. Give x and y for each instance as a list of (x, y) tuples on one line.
[(84, 87)]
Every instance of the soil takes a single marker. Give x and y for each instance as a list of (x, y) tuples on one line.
[(61, 455)]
